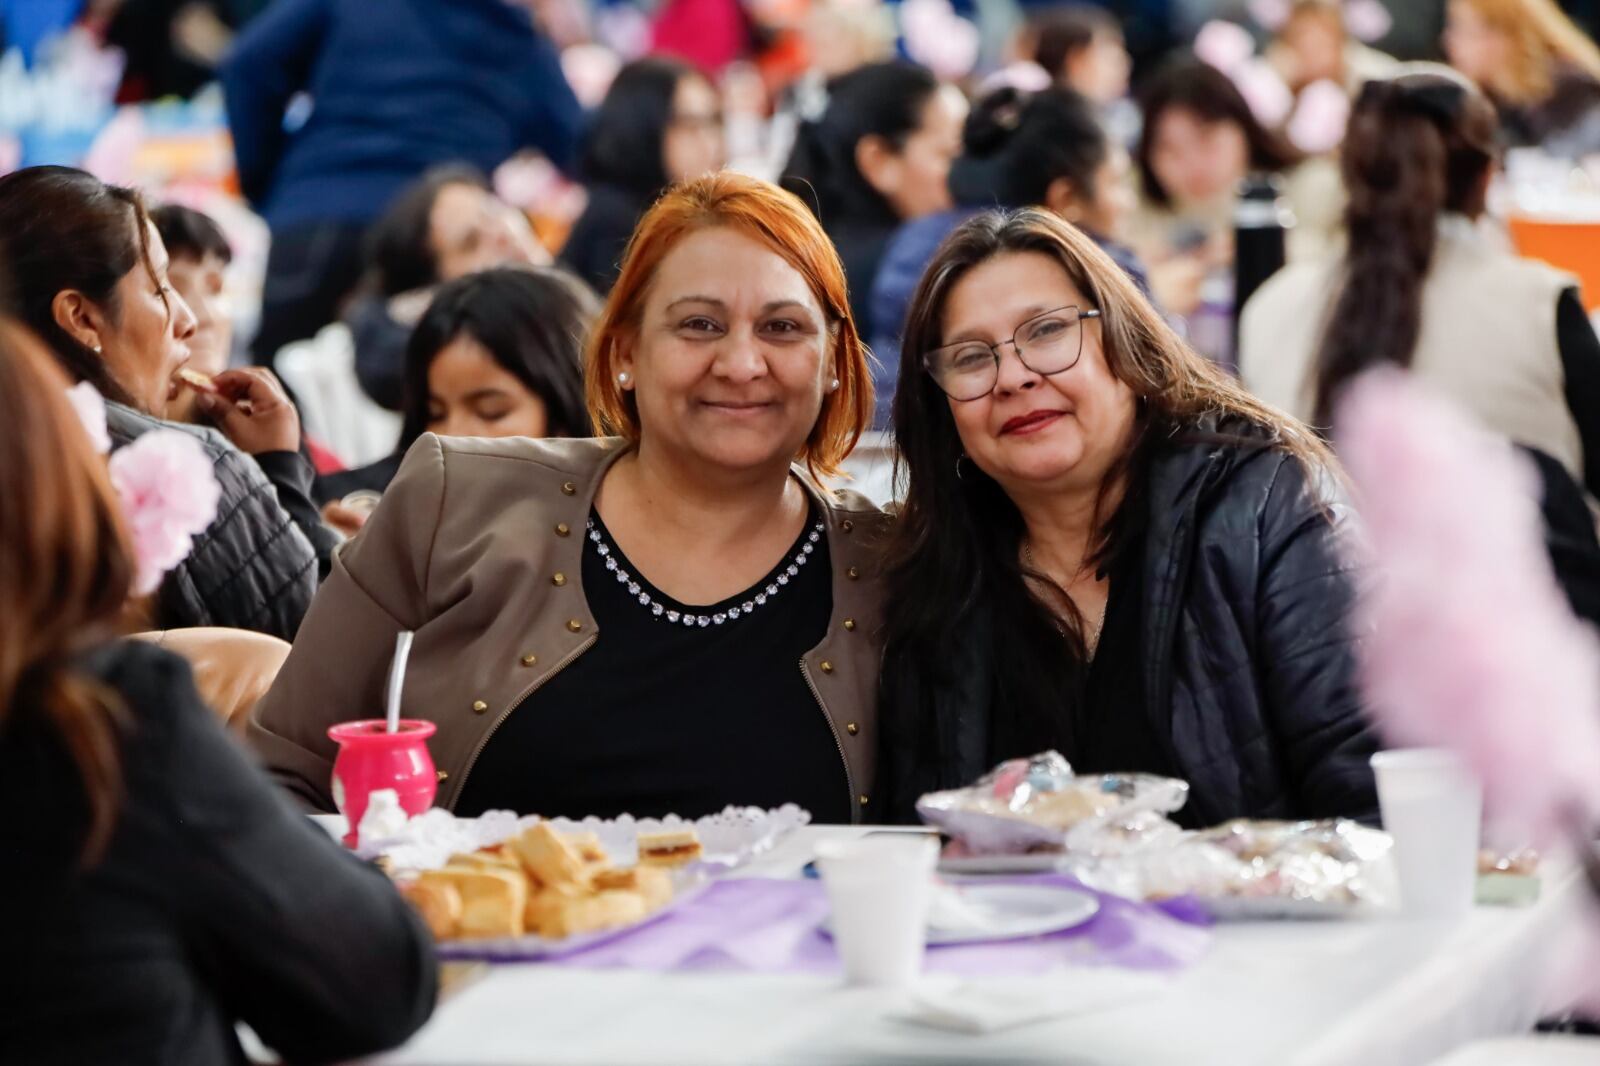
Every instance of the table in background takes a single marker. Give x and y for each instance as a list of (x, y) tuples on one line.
[(1368, 992)]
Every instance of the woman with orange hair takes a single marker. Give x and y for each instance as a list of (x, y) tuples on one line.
[(671, 619), (1539, 68)]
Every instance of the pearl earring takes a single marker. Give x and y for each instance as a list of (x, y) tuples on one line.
[(833, 386), (96, 349), (622, 378)]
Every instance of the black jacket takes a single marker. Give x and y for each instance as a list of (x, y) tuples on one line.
[(214, 902), (1249, 662), (594, 248), (258, 564)]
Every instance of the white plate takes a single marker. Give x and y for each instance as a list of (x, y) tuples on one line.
[(1011, 912)]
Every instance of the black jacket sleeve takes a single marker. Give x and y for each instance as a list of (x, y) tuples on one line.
[(312, 948), (292, 476), (1307, 652), (1580, 364)]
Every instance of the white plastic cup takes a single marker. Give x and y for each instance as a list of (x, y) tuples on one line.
[(879, 888), (1433, 808)]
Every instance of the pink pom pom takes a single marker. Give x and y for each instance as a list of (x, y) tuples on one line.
[(1269, 98), (1225, 45), (1367, 20), (1472, 644), (1320, 117), (590, 70), (91, 410), (938, 38), (169, 494), (1270, 14)]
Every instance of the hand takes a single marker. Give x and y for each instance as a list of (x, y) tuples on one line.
[(347, 520), (252, 410)]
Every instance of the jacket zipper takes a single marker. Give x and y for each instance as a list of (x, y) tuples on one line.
[(530, 690), (849, 782)]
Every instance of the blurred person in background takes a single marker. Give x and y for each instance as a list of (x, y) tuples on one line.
[(393, 89), (1107, 548), (1080, 46), (164, 890), (1044, 149), (89, 278), (497, 354), (1541, 71), (878, 156), (1420, 287), (198, 256), (1199, 143), (1315, 45), (445, 225), (685, 582), (660, 123)]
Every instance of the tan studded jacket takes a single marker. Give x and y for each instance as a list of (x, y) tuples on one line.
[(477, 547)]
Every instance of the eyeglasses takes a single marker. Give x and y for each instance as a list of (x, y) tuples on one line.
[(1048, 343)]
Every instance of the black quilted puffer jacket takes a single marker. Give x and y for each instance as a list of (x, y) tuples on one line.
[(255, 567), (1249, 661)]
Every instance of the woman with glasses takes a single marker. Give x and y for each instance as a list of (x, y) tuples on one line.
[(660, 123), (1107, 548)]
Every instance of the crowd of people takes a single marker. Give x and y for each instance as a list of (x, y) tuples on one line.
[(616, 517)]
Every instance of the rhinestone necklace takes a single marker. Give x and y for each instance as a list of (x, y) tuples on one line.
[(687, 618)]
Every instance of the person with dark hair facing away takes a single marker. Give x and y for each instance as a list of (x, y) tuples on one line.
[(1420, 287), (88, 273), (1199, 143), (394, 89), (660, 123), (198, 256), (161, 890), (1107, 548), (497, 354), (1044, 149), (879, 155), (445, 225)]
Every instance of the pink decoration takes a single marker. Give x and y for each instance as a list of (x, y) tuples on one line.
[(1472, 645), (1023, 75), (1225, 45), (590, 70), (1270, 14), (938, 38), (91, 409), (1320, 116), (169, 494), (1264, 90), (1367, 20)]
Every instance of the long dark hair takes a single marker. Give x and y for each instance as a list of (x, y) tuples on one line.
[(1417, 146), (1208, 93), (955, 546), (884, 100), (534, 322), (1017, 144), (625, 140), (66, 571), (400, 253), (66, 229)]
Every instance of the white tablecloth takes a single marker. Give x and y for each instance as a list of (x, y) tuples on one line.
[(1372, 993)]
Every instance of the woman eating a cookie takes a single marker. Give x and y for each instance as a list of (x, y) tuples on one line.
[(672, 619)]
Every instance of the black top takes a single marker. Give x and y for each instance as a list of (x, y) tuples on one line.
[(1112, 727), (662, 717), (1580, 367), (594, 248), (214, 903)]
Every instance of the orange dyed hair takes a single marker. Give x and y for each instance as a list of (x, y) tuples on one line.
[(780, 221)]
